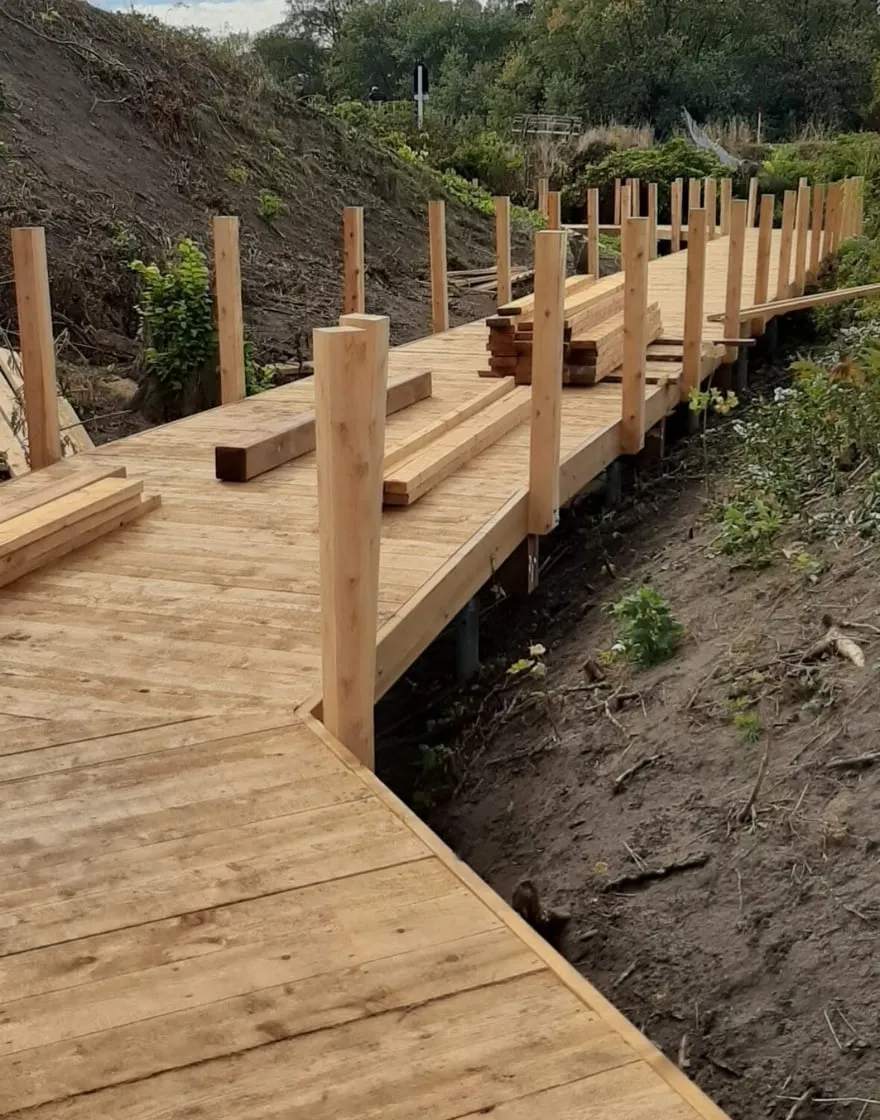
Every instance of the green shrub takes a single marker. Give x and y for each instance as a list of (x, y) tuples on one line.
[(237, 174), (270, 206), (489, 158), (647, 634)]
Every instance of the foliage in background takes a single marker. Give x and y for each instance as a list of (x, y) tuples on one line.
[(647, 634)]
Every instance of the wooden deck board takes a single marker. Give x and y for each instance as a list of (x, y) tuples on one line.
[(207, 908)]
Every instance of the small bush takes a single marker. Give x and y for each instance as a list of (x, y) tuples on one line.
[(237, 174), (647, 634), (270, 207)]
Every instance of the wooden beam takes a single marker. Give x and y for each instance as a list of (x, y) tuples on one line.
[(695, 194), (439, 281), (652, 218), (783, 277), (230, 318), (816, 237), (274, 445), (546, 399), (635, 342), (675, 203), (617, 202), (353, 299), (502, 250), (737, 216), (695, 288), (543, 191), (635, 197), (802, 225), (803, 303), (37, 344), (753, 202), (832, 225), (625, 213), (593, 232), (711, 207), (554, 210), (762, 262), (726, 199), (350, 395)]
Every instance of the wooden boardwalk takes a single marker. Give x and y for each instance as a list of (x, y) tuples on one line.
[(207, 907)]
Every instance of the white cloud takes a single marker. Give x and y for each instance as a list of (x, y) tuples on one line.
[(218, 16)]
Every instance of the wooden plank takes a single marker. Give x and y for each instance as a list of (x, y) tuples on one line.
[(652, 218), (593, 232), (350, 392), (831, 208), (695, 194), (445, 423), (64, 512), (22, 495), (74, 436), (418, 475), (230, 318), (502, 248), (37, 345), (736, 225), (353, 298), (617, 202), (816, 234), (783, 277), (437, 253), (802, 224), (626, 210), (287, 440), (753, 201), (695, 288), (803, 303), (635, 265), (546, 399), (711, 206), (554, 210), (675, 203), (726, 200), (762, 262)]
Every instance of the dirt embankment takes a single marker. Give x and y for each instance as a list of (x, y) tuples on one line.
[(121, 136)]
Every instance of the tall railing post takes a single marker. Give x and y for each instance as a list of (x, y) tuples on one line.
[(350, 396), (353, 300), (753, 202), (695, 194), (617, 202), (783, 276), (726, 199), (816, 232), (439, 281), (710, 204), (762, 263), (802, 225), (593, 232), (652, 218), (230, 318), (37, 343), (554, 210), (502, 250), (625, 212), (737, 215), (675, 193), (695, 289), (635, 337)]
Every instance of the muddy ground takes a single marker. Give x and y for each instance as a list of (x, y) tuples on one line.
[(757, 968)]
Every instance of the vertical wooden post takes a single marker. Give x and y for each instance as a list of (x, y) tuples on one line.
[(675, 193), (439, 281), (753, 202), (693, 301), (350, 389), (835, 205), (593, 232), (230, 319), (554, 210), (849, 202), (543, 191), (711, 208), (695, 194), (762, 263), (635, 337), (726, 199), (617, 202), (502, 249), (353, 260), (635, 197), (816, 238), (625, 212), (547, 354), (652, 218), (802, 224), (737, 216), (860, 207), (827, 232), (37, 344), (783, 276)]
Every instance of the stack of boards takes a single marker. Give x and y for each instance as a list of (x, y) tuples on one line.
[(52, 512), (592, 338)]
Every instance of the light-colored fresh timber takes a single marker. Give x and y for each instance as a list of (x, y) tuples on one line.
[(635, 197), (753, 202), (695, 194), (502, 248), (626, 209), (593, 232), (554, 210), (37, 344), (543, 192), (832, 219), (710, 204), (617, 202), (803, 303), (815, 234), (783, 272), (726, 199), (437, 255), (230, 317), (635, 339), (737, 215), (350, 390), (694, 302), (546, 395), (353, 297), (652, 218), (802, 228), (762, 264), (675, 204)]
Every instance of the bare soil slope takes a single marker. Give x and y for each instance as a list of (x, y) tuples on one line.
[(120, 136)]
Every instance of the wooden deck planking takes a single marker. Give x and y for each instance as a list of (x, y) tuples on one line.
[(249, 924)]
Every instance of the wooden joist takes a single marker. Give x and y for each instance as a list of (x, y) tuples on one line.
[(60, 525), (413, 478), (271, 447)]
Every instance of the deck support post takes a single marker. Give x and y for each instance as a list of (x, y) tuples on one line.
[(695, 194), (547, 355), (741, 377), (802, 226), (439, 280), (353, 299), (518, 575), (467, 641), (613, 495), (502, 250), (772, 337), (350, 394), (635, 341), (737, 212), (230, 318), (692, 355), (37, 344)]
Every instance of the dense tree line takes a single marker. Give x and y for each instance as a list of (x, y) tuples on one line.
[(633, 61)]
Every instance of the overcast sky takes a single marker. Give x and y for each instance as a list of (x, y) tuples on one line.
[(214, 15)]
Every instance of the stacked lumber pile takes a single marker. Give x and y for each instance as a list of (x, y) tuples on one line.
[(593, 333), (67, 510), (485, 279)]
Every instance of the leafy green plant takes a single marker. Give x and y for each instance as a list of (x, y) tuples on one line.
[(235, 173), (750, 527), (533, 665), (647, 634), (748, 724), (701, 402), (270, 206)]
